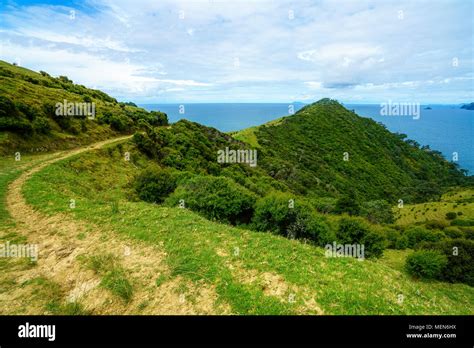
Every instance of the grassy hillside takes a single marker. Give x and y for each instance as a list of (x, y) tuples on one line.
[(250, 272), (457, 201), (28, 119), (328, 150), (236, 270)]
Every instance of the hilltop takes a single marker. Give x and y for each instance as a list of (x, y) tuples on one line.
[(327, 150)]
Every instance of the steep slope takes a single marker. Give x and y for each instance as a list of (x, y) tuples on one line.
[(29, 120), (328, 150)]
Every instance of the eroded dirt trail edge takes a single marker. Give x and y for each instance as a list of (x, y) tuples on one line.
[(58, 251)]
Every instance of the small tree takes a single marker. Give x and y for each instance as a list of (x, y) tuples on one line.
[(451, 215)]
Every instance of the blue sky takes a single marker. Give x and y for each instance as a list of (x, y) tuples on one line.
[(249, 51)]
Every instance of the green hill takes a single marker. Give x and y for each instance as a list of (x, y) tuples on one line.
[(327, 150), (28, 113)]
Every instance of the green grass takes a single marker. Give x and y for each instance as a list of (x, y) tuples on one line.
[(113, 275), (116, 281), (458, 200), (43, 291), (247, 136), (200, 250), (9, 171)]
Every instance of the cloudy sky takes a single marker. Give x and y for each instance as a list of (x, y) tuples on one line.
[(249, 51)]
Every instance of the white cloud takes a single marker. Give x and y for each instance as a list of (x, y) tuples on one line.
[(347, 49)]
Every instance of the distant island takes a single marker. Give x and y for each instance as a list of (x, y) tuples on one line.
[(428, 108), (468, 106)]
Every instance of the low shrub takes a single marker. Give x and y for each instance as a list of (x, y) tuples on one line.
[(466, 222), (468, 232), (324, 205), (216, 198), (16, 124), (27, 110), (154, 184), (436, 225), (402, 242), (460, 254), (7, 107), (391, 236), (357, 231), (451, 215), (41, 125), (348, 204), (287, 215), (426, 264), (277, 211), (419, 234), (453, 232)]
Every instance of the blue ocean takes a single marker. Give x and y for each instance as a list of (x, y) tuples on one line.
[(445, 128)]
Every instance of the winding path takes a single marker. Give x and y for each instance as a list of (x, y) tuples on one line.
[(59, 248)]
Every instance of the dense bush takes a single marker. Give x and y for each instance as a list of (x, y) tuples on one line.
[(286, 215), (15, 124), (7, 107), (451, 215), (154, 184), (41, 125), (426, 264), (117, 122), (27, 110), (468, 232), (320, 232), (453, 232), (152, 118), (402, 242), (216, 198), (466, 222), (65, 122), (49, 110), (348, 204), (460, 254), (419, 234), (436, 225), (158, 118), (391, 236), (356, 231)]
